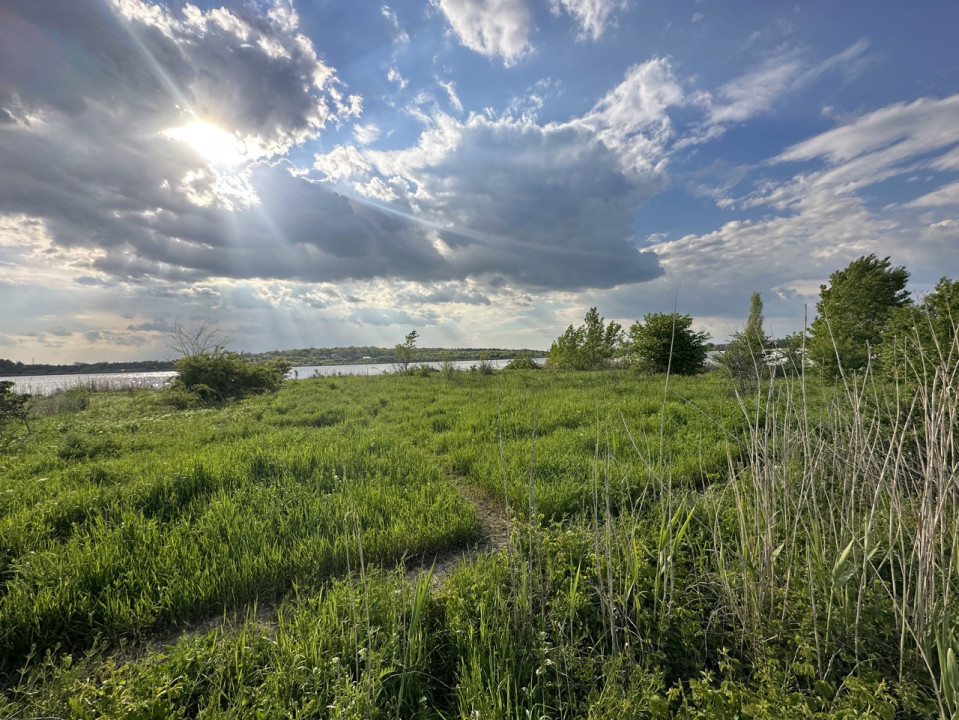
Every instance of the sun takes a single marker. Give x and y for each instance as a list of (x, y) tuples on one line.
[(216, 145)]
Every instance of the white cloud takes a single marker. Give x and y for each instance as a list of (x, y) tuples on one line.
[(494, 28), (399, 35), (632, 118), (394, 77), (544, 205), (946, 195), (820, 219), (758, 91), (920, 126), (593, 16), (450, 88), (366, 134)]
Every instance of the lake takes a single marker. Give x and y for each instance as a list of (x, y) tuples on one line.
[(47, 384)]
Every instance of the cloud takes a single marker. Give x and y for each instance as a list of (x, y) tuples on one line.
[(946, 195), (904, 128), (366, 134), (820, 219), (494, 28), (450, 88), (545, 206), (758, 91), (399, 35), (394, 77), (94, 163), (383, 316), (593, 16)]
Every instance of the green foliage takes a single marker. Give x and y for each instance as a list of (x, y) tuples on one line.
[(666, 343), (745, 355), (71, 400), (853, 312), (669, 555), (923, 333), (13, 405), (222, 375), (591, 346), (524, 362), (406, 351)]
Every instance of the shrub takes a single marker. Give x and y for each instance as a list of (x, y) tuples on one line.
[(221, 375), (666, 343), (524, 362), (12, 404), (591, 346), (81, 446)]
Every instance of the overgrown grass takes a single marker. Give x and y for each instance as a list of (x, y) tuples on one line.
[(675, 551)]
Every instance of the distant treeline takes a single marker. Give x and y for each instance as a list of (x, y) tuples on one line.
[(365, 354), (301, 357), (14, 369)]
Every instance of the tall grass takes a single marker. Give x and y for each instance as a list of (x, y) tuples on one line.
[(675, 551)]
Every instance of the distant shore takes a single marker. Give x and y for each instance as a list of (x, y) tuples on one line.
[(312, 357)]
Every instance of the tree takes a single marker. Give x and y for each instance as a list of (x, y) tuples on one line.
[(853, 311), (591, 346), (923, 335), (744, 358), (406, 351), (666, 343)]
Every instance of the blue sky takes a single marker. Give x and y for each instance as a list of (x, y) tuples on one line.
[(316, 173)]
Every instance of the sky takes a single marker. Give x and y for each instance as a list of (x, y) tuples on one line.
[(318, 173)]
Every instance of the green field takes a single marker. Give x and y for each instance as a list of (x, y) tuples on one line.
[(673, 551)]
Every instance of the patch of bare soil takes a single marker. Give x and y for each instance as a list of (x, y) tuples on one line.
[(491, 514)]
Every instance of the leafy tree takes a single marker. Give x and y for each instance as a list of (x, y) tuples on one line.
[(924, 334), (853, 311), (666, 343), (745, 355), (591, 346), (406, 351)]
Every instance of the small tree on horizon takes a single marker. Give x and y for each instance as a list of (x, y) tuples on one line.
[(406, 351)]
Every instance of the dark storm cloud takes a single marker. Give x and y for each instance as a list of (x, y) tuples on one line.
[(546, 207), (88, 92)]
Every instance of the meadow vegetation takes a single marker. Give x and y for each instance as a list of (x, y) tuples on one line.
[(674, 551), (676, 546)]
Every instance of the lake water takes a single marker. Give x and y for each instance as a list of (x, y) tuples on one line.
[(47, 384)]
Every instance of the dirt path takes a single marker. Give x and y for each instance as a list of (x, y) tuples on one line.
[(495, 536), (490, 512)]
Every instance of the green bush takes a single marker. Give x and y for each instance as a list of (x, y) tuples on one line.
[(12, 404), (221, 375), (522, 363)]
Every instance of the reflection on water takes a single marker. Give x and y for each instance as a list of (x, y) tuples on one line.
[(48, 384)]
